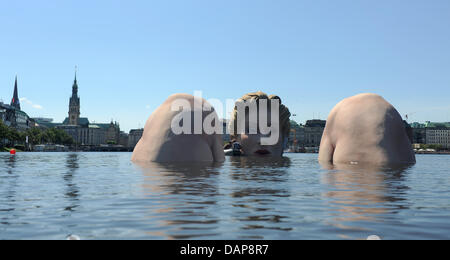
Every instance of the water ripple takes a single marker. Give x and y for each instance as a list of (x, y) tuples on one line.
[(105, 196)]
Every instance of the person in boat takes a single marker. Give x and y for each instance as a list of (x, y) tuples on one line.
[(233, 148), (249, 125), (237, 149), (229, 145)]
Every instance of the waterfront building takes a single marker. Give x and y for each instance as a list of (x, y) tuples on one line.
[(431, 133), (296, 136), (313, 131), (2, 112), (113, 133), (134, 136), (419, 133), (438, 134), (43, 119), (83, 131), (45, 123), (71, 130), (92, 133), (123, 139), (12, 115), (226, 138)]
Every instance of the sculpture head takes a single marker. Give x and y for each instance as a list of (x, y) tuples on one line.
[(261, 124)]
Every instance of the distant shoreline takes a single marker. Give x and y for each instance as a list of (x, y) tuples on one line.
[(432, 152), (445, 152)]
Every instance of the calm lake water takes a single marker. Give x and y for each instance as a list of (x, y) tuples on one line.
[(105, 196)]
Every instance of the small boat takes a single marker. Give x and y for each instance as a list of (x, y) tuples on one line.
[(231, 152)]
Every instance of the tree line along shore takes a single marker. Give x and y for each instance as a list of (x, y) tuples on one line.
[(22, 141)]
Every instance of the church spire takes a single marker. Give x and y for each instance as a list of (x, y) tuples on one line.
[(75, 85), (74, 103), (15, 102)]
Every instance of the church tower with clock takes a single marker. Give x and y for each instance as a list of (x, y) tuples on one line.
[(74, 104)]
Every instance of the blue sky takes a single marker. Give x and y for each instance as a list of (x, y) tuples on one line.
[(131, 55)]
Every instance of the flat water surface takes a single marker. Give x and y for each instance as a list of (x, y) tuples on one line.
[(106, 196)]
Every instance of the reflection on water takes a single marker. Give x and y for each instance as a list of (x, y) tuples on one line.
[(105, 196), (364, 193), (195, 183), (257, 169), (204, 193), (71, 187), (8, 184), (258, 162), (258, 184), (181, 178), (10, 162)]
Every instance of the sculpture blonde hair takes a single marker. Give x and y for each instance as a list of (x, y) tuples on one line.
[(285, 126)]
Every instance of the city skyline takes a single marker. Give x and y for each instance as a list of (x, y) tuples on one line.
[(132, 56), (293, 116)]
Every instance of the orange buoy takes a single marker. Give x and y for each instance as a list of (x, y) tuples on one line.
[(12, 151)]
